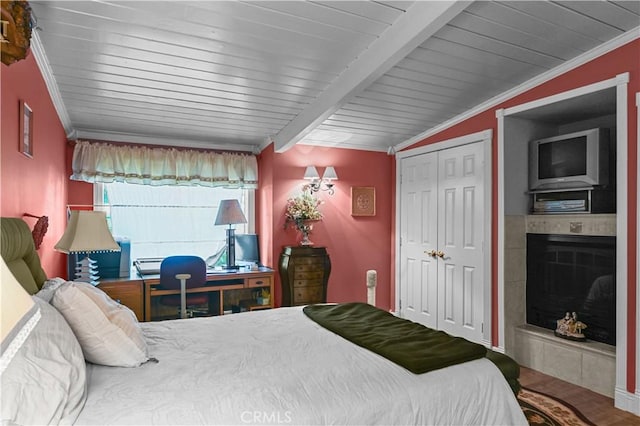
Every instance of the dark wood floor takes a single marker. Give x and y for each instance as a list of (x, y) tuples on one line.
[(597, 408)]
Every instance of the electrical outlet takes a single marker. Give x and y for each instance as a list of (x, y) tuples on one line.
[(575, 227)]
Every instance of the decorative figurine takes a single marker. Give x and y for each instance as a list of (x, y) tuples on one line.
[(570, 328)]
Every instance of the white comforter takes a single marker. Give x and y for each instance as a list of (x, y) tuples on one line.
[(279, 367)]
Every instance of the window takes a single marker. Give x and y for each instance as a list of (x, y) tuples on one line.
[(161, 221)]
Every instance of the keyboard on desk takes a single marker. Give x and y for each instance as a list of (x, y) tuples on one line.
[(222, 271), (148, 265)]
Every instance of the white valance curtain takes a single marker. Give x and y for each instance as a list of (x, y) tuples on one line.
[(101, 162)]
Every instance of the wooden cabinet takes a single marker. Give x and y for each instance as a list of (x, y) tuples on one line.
[(246, 298), (304, 273), (128, 293)]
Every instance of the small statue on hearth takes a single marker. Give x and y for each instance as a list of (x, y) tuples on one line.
[(579, 327), (569, 327)]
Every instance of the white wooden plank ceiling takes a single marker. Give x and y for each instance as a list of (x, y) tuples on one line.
[(356, 74)]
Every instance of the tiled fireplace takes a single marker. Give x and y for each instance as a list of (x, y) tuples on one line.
[(590, 364), (572, 274)]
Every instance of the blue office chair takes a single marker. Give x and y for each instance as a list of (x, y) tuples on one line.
[(183, 272)]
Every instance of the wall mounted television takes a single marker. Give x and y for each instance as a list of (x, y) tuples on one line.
[(573, 160)]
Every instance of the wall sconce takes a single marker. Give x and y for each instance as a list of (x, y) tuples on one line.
[(325, 184)]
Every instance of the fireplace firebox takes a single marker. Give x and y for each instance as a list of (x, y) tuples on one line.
[(571, 273)]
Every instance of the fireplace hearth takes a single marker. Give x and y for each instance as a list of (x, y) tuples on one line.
[(572, 273)]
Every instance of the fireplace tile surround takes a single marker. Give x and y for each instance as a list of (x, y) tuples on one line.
[(588, 364), (572, 224)]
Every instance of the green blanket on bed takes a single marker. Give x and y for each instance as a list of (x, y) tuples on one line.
[(413, 346)]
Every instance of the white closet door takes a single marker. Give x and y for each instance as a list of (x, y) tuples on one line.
[(442, 211), (419, 233), (460, 240)]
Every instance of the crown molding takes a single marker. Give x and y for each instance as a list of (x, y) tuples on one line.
[(52, 86), (563, 68)]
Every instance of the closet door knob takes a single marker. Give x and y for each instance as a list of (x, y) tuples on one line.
[(440, 254), (431, 253)]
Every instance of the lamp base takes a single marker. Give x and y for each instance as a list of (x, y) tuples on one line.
[(231, 267), (87, 271), (231, 249)]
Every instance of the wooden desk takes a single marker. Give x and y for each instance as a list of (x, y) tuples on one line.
[(262, 278), (136, 291)]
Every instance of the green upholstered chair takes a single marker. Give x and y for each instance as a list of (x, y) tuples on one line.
[(19, 253)]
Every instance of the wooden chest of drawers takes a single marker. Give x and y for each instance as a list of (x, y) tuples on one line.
[(304, 273)]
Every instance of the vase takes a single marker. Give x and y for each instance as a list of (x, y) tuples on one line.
[(305, 227)]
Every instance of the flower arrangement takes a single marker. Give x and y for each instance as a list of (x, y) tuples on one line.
[(300, 211)]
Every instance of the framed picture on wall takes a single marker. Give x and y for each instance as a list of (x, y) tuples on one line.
[(363, 201), (26, 129)]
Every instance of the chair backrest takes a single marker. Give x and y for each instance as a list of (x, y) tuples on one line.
[(19, 253), (173, 265)]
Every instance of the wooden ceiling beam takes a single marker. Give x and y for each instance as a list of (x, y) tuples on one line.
[(421, 20)]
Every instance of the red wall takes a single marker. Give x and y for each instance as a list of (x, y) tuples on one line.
[(355, 244), (35, 185), (621, 60)]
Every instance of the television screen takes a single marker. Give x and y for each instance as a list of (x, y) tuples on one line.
[(562, 158), (247, 249)]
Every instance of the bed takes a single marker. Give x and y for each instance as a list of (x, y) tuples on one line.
[(275, 366)]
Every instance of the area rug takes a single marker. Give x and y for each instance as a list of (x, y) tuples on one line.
[(545, 410)]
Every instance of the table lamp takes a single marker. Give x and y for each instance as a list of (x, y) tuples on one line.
[(87, 232), (16, 306), (230, 213)]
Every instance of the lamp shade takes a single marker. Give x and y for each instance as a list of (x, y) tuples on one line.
[(311, 173), (87, 231), (330, 174), (15, 302), (229, 213)]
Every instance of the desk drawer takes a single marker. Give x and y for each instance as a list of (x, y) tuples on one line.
[(259, 282)]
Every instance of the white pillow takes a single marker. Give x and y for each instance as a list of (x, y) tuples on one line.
[(108, 332), (43, 377), (49, 288)]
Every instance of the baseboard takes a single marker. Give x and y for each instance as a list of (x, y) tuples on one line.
[(627, 401)]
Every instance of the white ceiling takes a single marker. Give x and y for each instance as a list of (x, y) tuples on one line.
[(356, 74)]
